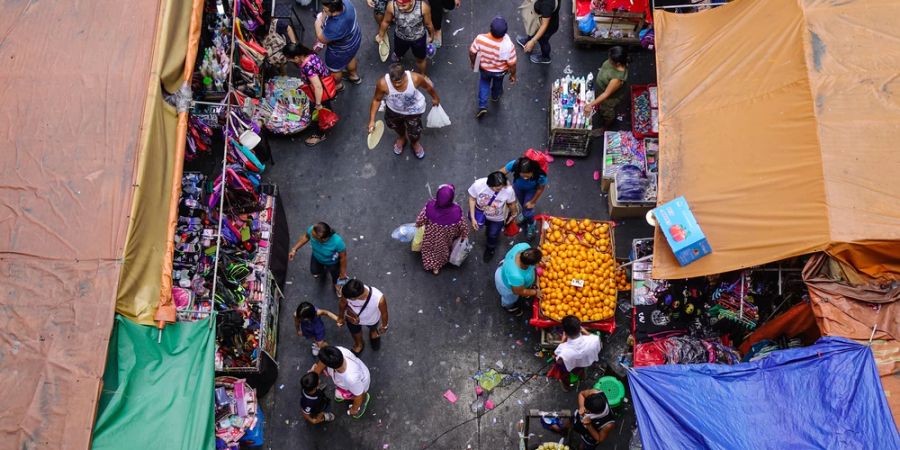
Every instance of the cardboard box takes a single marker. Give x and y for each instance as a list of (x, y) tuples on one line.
[(684, 235)]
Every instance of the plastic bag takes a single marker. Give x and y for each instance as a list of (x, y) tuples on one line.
[(437, 118), (461, 249), (586, 24), (631, 184), (405, 232), (417, 239)]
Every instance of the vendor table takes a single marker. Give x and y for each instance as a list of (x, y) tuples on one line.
[(620, 148), (612, 27), (578, 274)]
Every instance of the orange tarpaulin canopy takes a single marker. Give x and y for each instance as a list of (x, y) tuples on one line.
[(778, 124)]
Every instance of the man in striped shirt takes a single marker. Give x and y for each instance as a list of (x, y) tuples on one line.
[(495, 55)]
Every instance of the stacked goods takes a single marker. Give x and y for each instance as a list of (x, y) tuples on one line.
[(553, 446), (568, 98), (578, 275)]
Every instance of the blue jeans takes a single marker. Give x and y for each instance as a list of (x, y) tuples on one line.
[(525, 196), (493, 233), (507, 298), (491, 83)]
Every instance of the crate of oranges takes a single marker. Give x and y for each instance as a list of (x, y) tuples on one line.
[(578, 275)]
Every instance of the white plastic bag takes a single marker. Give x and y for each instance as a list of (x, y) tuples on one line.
[(461, 250), (437, 118), (405, 232)]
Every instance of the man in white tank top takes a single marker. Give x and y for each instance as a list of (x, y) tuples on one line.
[(405, 105), (360, 306)]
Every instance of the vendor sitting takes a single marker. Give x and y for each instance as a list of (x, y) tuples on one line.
[(594, 419), (578, 350)]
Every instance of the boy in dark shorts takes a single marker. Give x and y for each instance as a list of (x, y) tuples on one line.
[(314, 402), (309, 324)]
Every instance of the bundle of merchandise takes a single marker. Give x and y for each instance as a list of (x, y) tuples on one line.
[(644, 111), (286, 108), (236, 411), (567, 100), (765, 348), (216, 63), (199, 138), (633, 185), (621, 148), (189, 261), (684, 350), (734, 301)]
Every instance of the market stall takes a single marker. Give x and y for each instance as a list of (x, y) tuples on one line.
[(578, 276), (630, 173), (570, 126), (609, 22)]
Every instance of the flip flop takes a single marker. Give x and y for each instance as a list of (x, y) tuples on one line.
[(362, 409), (357, 80), (420, 154), (398, 150), (321, 140), (374, 137)]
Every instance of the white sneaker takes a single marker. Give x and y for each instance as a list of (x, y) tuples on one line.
[(315, 349)]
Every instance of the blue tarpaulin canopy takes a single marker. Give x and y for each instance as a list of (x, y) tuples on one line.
[(824, 396)]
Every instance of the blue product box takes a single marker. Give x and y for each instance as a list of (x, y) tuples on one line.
[(682, 231)]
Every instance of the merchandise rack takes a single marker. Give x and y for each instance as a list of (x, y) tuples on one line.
[(567, 141)]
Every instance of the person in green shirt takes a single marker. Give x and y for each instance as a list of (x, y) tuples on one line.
[(515, 277), (329, 252), (609, 87)]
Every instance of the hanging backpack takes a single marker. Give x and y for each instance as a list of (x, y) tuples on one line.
[(274, 43)]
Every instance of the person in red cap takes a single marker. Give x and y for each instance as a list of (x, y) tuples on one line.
[(495, 56)]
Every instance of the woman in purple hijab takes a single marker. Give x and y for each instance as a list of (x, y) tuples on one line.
[(444, 222)]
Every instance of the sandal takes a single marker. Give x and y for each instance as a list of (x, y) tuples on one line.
[(357, 80), (312, 141), (398, 149), (358, 352), (420, 152), (362, 409), (339, 88)]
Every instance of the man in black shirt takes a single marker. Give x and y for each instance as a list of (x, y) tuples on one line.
[(594, 419), (549, 12), (314, 402)]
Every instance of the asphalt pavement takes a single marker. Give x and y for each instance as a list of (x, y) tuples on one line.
[(443, 328)]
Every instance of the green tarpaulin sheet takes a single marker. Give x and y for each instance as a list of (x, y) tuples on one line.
[(157, 395)]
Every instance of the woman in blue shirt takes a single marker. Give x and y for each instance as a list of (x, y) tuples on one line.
[(515, 277), (529, 182), (337, 28), (329, 253)]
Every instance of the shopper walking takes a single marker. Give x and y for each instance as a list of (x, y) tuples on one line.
[(438, 9), (529, 180), (515, 277), (495, 55), (548, 10), (492, 205), (609, 87), (319, 78), (411, 18), (444, 223), (405, 105), (578, 350), (350, 376), (337, 29), (594, 420), (329, 252), (378, 8), (309, 324), (363, 306), (314, 403)]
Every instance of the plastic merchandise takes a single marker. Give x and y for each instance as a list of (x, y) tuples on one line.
[(405, 232), (631, 184)]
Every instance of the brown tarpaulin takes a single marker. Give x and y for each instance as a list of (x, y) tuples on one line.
[(778, 124), (850, 304), (80, 90)]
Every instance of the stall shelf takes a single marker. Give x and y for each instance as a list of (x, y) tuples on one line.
[(612, 28)]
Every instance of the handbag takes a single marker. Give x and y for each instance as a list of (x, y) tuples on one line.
[(417, 239), (479, 213), (274, 44), (353, 317), (461, 249), (329, 89), (327, 119), (530, 18)]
